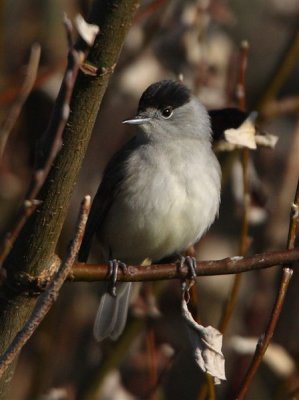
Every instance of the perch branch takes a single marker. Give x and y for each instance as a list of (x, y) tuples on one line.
[(47, 299), (153, 272)]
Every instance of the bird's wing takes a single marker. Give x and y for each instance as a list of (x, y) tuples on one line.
[(113, 175)]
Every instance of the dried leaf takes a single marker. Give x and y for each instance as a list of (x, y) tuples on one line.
[(206, 343), (243, 136), (266, 140), (88, 32), (234, 139)]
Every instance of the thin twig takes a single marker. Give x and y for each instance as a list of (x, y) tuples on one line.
[(161, 376), (59, 116), (53, 140), (142, 273), (278, 107), (16, 108), (294, 220), (148, 9), (152, 361), (47, 299), (264, 340), (241, 94), (286, 65), (294, 394), (276, 311)]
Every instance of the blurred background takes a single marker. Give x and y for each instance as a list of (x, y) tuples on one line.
[(200, 41)]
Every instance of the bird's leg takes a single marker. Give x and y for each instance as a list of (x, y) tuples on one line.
[(190, 263), (113, 269)]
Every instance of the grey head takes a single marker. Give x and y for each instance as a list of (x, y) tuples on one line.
[(168, 109)]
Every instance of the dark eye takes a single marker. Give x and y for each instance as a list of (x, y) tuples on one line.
[(167, 112)]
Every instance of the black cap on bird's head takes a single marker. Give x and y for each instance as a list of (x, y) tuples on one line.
[(164, 95)]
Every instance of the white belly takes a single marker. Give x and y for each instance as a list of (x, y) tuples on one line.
[(170, 206)]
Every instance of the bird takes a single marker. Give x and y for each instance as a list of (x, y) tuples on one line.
[(159, 193)]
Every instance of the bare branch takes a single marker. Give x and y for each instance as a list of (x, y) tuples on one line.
[(287, 272), (47, 299), (154, 272), (274, 107), (264, 340), (52, 140), (148, 9), (286, 65), (245, 154), (16, 108), (53, 135), (294, 220)]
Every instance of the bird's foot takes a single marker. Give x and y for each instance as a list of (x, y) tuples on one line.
[(188, 282), (114, 265)]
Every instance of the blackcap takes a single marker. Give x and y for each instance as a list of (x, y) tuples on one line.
[(159, 193)]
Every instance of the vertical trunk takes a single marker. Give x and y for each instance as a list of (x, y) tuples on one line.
[(34, 250)]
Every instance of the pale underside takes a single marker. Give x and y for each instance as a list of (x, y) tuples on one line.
[(168, 208)]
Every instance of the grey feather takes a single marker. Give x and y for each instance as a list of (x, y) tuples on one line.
[(112, 313)]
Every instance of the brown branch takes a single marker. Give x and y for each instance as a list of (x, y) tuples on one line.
[(241, 94), (294, 220), (241, 85), (264, 340), (142, 273), (52, 140), (152, 362), (47, 299), (59, 116), (148, 10), (282, 71), (294, 394), (287, 272), (273, 108), (244, 242), (16, 108)]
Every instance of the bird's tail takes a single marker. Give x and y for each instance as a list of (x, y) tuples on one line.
[(112, 313)]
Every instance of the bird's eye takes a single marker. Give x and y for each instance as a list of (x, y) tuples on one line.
[(167, 112)]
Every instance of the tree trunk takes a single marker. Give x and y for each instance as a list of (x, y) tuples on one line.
[(34, 250)]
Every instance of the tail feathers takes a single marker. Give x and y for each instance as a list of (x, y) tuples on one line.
[(112, 313)]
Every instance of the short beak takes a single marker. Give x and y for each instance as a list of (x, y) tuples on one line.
[(138, 120)]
